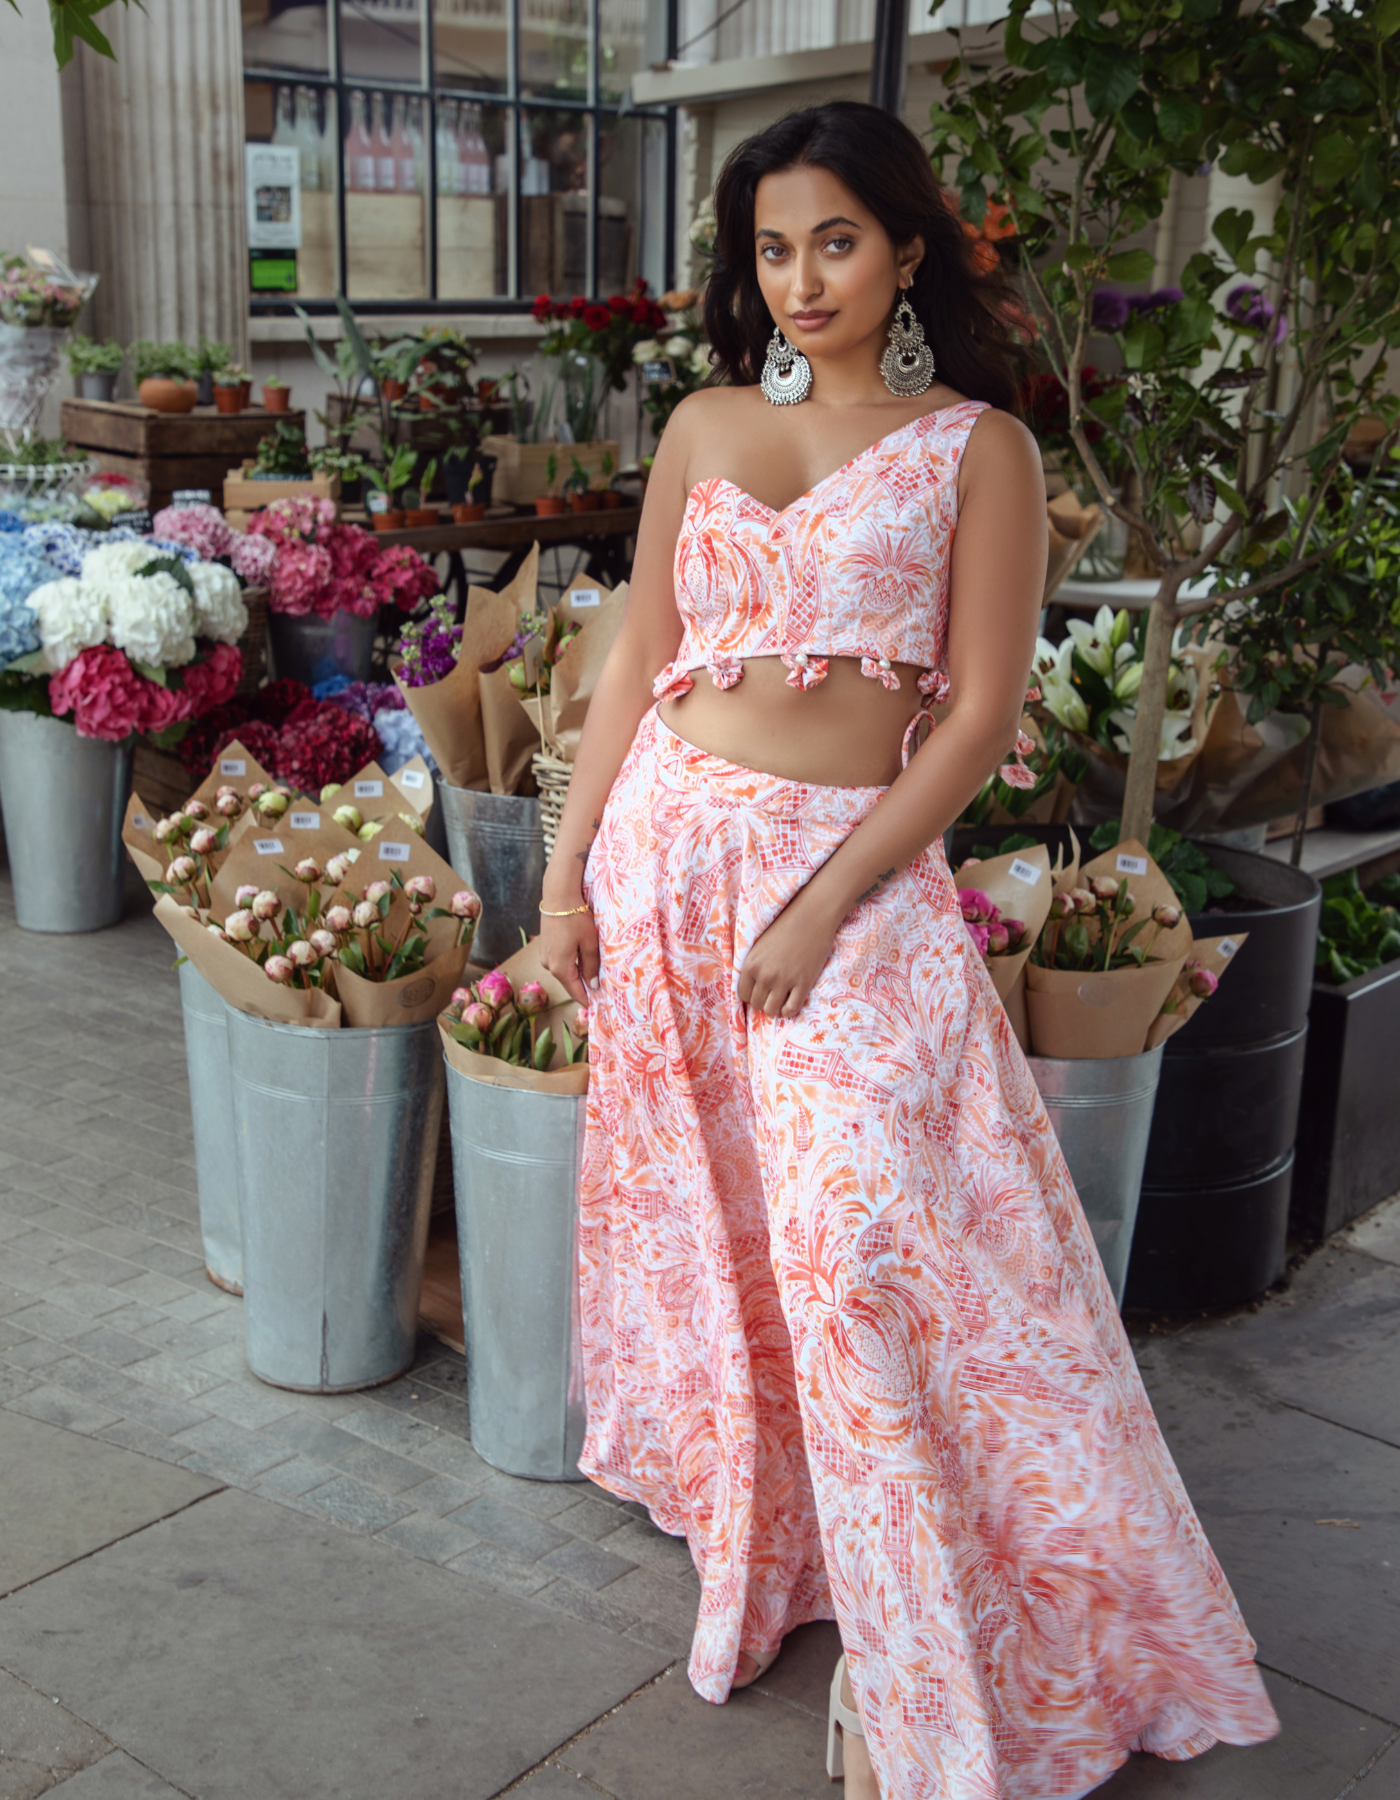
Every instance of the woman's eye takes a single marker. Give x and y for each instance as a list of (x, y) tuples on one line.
[(771, 252), (837, 244)]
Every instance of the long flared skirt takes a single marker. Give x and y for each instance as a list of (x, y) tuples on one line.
[(845, 1328)]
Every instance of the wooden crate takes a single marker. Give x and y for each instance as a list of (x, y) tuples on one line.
[(243, 496), (520, 468), (169, 450), (384, 239), (467, 246)]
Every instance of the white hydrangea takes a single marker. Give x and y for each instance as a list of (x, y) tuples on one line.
[(153, 618), (72, 617), (111, 566), (218, 603)]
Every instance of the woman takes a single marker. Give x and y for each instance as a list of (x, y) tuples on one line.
[(844, 1324)]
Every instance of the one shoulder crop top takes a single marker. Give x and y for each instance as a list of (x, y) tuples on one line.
[(858, 566)]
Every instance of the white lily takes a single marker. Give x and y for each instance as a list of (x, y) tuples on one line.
[(1094, 642)]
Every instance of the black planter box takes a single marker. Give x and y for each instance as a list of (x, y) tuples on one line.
[(1349, 1128)]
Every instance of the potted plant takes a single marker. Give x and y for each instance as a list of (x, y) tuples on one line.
[(442, 377), (581, 500), (347, 467), (417, 517), (389, 483), (471, 510), (282, 455), (95, 367), (549, 504), (162, 376), (607, 464), (228, 390), (37, 305), (205, 363), (276, 394)]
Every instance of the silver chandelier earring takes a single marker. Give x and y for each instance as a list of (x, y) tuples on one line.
[(907, 365), (787, 375)]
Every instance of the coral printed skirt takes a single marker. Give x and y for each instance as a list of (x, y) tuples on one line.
[(845, 1327)]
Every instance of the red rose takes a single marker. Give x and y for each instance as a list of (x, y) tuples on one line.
[(543, 308), (619, 303), (597, 318), (641, 312), (576, 307), (656, 318)]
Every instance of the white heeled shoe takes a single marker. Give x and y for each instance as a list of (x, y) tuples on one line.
[(840, 1720)]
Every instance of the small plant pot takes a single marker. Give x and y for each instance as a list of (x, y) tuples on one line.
[(468, 512), (229, 399), (548, 506), (584, 503), (162, 394), (277, 399), (245, 391), (387, 521), (611, 500), (98, 384), (417, 518), (394, 390)]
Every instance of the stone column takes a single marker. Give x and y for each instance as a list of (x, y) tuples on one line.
[(164, 152)]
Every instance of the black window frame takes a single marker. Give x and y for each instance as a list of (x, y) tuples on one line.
[(512, 102)]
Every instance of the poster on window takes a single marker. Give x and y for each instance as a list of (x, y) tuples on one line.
[(273, 173)]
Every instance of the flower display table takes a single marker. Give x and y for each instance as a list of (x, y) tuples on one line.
[(169, 450)]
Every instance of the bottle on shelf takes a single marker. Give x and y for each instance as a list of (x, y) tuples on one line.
[(360, 170), (308, 138), (385, 174), (418, 143), (474, 158), (405, 164), (284, 130), (445, 140)]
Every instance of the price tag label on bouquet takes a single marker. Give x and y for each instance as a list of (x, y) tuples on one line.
[(580, 597), (140, 821), (269, 846), (304, 821), (393, 852), (232, 765), (1024, 871), (1131, 865), (369, 790), (1227, 947), (412, 778)]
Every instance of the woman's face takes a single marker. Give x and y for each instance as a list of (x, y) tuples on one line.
[(826, 266)]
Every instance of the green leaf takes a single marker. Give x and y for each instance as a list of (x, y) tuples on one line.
[(1232, 228), (1131, 265), (1385, 18), (152, 672), (1140, 117), (1080, 255), (169, 565), (1334, 157), (1179, 116), (1110, 79)]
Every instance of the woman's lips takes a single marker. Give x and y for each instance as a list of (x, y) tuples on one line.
[(810, 321)]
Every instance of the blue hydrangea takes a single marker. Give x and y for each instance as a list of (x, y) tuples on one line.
[(21, 571), (10, 521), (402, 738), (330, 687), (65, 546)]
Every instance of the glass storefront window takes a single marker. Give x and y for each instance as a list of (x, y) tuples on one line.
[(382, 40), (286, 34), (453, 144), (471, 45)]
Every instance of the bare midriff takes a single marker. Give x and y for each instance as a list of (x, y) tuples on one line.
[(845, 732)]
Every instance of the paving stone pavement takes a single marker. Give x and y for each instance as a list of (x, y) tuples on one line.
[(210, 1587), (110, 1327)]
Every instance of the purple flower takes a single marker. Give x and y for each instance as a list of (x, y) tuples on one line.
[(1247, 306), (1158, 298), (1109, 310)]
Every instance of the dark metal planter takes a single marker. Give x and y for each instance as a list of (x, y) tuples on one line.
[(1212, 1223), (1349, 1134)]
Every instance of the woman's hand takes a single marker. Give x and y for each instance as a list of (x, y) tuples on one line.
[(569, 950), (782, 967)]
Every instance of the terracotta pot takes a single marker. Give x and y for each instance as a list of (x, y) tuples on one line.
[(162, 394), (394, 390), (245, 392), (547, 506), (228, 399), (582, 503), (387, 521), (468, 512), (416, 517), (485, 391), (277, 399), (611, 500)]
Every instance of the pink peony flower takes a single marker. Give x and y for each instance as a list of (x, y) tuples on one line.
[(307, 870), (365, 915), (265, 904), (461, 997), (581, 1022), (240, 926), (531, 999), (182, 871), (998, 939), (376, 891), (979, 934), (301, 953), (464, 905), (323, 942), (1203, 983), (976, 906), (339, 918), (245, 895), (279, 968), (479, 1016), (204, 842), (495, 989)]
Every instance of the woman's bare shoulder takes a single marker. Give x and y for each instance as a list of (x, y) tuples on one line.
[(999, 441)]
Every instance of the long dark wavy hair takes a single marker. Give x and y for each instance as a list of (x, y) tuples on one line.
[(961, 297)]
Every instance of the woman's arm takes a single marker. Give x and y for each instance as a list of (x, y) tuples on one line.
[(998, 578), (647, 639)]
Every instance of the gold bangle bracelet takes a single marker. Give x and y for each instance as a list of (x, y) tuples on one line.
[(545, 913)]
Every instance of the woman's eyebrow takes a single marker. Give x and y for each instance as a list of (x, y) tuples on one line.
[(839, 219)]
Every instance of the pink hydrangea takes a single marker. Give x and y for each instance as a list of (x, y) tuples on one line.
[(401, 578), (200, 526), (108, 699), (212, 682), (301, 517), (300, 579), (253, 559)]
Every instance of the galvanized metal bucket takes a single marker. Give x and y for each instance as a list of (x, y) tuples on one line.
[(515, 1162), (211, 1110), (337, 1137), (1101, 1109), (313, 649), (496, 844), (63, 798)]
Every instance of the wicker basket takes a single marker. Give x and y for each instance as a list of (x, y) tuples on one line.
[(552, 779)]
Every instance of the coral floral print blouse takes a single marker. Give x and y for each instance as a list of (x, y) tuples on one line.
[(857, 566)]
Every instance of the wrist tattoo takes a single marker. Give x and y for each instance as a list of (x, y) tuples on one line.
[(582, 855), (879, 882)]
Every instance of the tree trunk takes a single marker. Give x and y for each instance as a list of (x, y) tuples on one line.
[(1147, 732), (1300, 823)]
